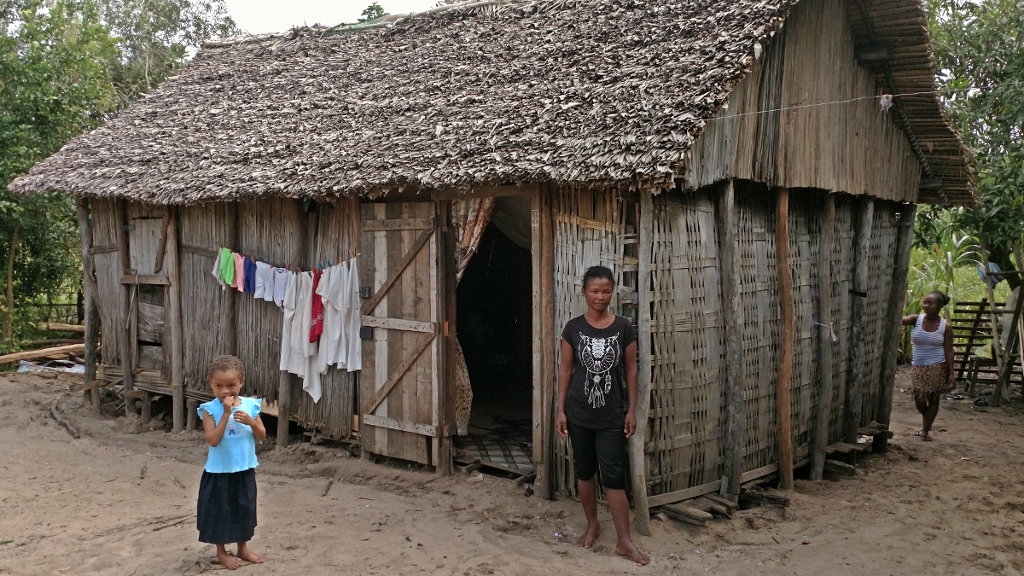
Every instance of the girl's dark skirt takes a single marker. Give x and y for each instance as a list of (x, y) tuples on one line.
[(227, 507)]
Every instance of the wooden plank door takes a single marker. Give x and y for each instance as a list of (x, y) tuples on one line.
[(399, 385)]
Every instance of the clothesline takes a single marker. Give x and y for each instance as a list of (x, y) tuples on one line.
[(321, 310)]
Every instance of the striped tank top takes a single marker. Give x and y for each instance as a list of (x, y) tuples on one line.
[(929, 347)]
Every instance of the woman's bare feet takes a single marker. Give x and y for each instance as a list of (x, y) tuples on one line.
[(589, 537), (226, 559), (628, 549), (246, 554)]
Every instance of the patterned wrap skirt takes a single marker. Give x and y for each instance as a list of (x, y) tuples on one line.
[(226, 512), (931, 379)]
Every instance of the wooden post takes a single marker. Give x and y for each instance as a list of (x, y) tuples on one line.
[(89, 292), (124, 331), (997, 348), (785, 374), (732, 310), (543, 345), (1002, 383), (191, 410), (173, 322), (228, 325), (855, 370), (819, 435), (284, 385), (637, 452), (894, 321), (446, 303)]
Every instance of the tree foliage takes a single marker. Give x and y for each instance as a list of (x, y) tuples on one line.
[(979, 49), (372, 12), (65, 67)]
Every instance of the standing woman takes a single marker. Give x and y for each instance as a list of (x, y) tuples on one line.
[(932, 371), (598, 351)]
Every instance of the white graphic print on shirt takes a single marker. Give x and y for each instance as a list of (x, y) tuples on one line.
[(598, 356)]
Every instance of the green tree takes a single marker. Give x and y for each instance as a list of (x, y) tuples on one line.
[(979, 49), (53, 86), (372, 12), (65, 67)]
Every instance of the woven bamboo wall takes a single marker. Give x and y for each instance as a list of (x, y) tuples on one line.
[(591, 227), (202, 301), (842, 281), (108, 275), (686, 420), (880, 271), (804, 236), (850, 146), (761, 323)]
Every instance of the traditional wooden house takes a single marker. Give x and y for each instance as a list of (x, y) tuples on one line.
[(748, 168)]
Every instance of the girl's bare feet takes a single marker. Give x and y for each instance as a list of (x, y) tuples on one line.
[(246, 554), (628, 549), (589, 537), (226, 559)]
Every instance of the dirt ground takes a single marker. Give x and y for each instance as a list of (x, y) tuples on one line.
[(83, 506)]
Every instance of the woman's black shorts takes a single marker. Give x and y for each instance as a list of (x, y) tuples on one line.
[(604, 448)]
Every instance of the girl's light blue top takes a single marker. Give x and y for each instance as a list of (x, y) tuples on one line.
[(236, 451)]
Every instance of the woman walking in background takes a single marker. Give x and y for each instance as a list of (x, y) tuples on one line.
[(932, 371)]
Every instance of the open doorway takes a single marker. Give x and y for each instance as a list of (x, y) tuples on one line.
[(494, 313)]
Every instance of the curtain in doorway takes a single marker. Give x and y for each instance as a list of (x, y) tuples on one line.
[(470, 217)]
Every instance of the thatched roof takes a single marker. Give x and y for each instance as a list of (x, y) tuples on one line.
[(597, 92)]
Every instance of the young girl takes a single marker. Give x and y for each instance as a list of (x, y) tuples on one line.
[(595, 348), (227, 492), (932, 371)]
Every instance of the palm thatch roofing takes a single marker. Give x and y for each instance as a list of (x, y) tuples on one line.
[(591, 92)]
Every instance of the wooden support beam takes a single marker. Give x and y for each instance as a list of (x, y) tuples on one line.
[(993, 315), (855, 366), (89, 295), (172, 320), (819, 432), (637, 456), (447, 247), (785, 372), (732, 310), (550, 334), (894, 320), (124, 329), (192, 414)]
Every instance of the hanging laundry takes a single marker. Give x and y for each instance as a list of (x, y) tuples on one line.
[(264, 279), (316, 326), (301, 327), (280, 285), (249, 282), (291, 361), (239, 262), (227, 267), (216, 271), (332, 351), (354, 319)]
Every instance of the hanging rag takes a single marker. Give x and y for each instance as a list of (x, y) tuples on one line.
[(227, 267), (216, 271), (249, 280), (239, 263), (316, 326)]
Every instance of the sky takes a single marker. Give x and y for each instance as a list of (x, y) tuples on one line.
[(262, 16)]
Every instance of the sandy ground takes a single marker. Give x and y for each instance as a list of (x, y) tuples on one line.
[(67, 506)]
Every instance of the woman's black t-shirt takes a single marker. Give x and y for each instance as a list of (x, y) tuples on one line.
[(594, 398)]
